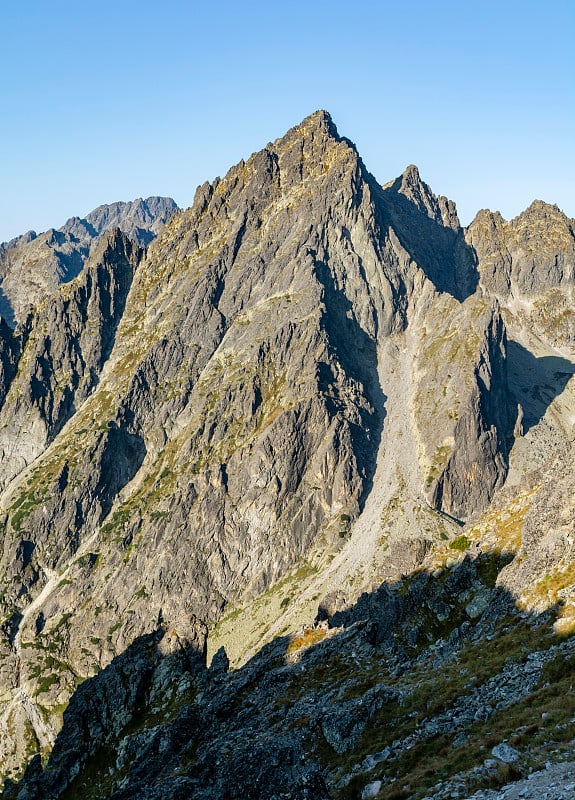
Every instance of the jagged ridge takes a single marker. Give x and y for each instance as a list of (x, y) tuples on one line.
[(299, 349)]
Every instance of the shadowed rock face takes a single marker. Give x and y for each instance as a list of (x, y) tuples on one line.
[(311, 720), (477, 465), (180, 426), (64, 345), (429, 229)]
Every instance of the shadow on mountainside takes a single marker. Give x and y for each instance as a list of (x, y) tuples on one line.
[(536, 382), (357, 353), (6, 310), (440, 251), (414, 682)]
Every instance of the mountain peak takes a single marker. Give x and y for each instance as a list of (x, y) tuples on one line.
[(311, 152), (414, 189), (318, 126), (322, 120), (300, 396), (411, 174), (542, 210)]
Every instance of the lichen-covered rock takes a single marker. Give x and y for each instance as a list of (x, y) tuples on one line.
[(343, 725)]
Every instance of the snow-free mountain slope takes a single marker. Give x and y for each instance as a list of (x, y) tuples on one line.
[(307, 387)]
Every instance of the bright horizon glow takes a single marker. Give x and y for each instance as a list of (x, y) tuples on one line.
[(113, 101)]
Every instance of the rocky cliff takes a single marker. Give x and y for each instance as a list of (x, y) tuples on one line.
[(306, 385)]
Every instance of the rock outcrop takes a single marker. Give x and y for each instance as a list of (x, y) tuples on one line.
[(477, 465), (64, 345), (377, 698), (532, 253)]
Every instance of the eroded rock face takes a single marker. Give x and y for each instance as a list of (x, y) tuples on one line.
[(10, 347), (64, 346), (428, 228), (103, 708), (541, 573), (238, 411), (532, 253), (180, 427), (529, 264), (477, 465)]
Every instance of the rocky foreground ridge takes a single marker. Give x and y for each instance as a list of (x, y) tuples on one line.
[(314, 401)]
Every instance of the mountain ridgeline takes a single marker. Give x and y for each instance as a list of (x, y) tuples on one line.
[(32, 266), (215, 421)]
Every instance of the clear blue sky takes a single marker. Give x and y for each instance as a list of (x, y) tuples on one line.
[(110, 101)]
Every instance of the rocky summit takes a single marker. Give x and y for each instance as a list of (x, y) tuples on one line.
[(286, 493)]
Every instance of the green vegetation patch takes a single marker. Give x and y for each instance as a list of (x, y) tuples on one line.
[(461, 544)]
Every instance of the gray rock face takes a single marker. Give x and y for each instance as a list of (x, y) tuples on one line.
[(428, 227), (505, 753), (9, 354), (249, 394), (533, 252), (477, 465), (180, 427), (17, 240), (64, 348), (141, 220), (227, 396), (543, 567), (529, 264)]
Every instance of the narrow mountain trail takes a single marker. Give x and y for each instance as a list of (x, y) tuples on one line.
[(45, 733), (53, 578)]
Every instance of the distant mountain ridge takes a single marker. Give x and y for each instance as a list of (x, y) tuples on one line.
[(33, 265)]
